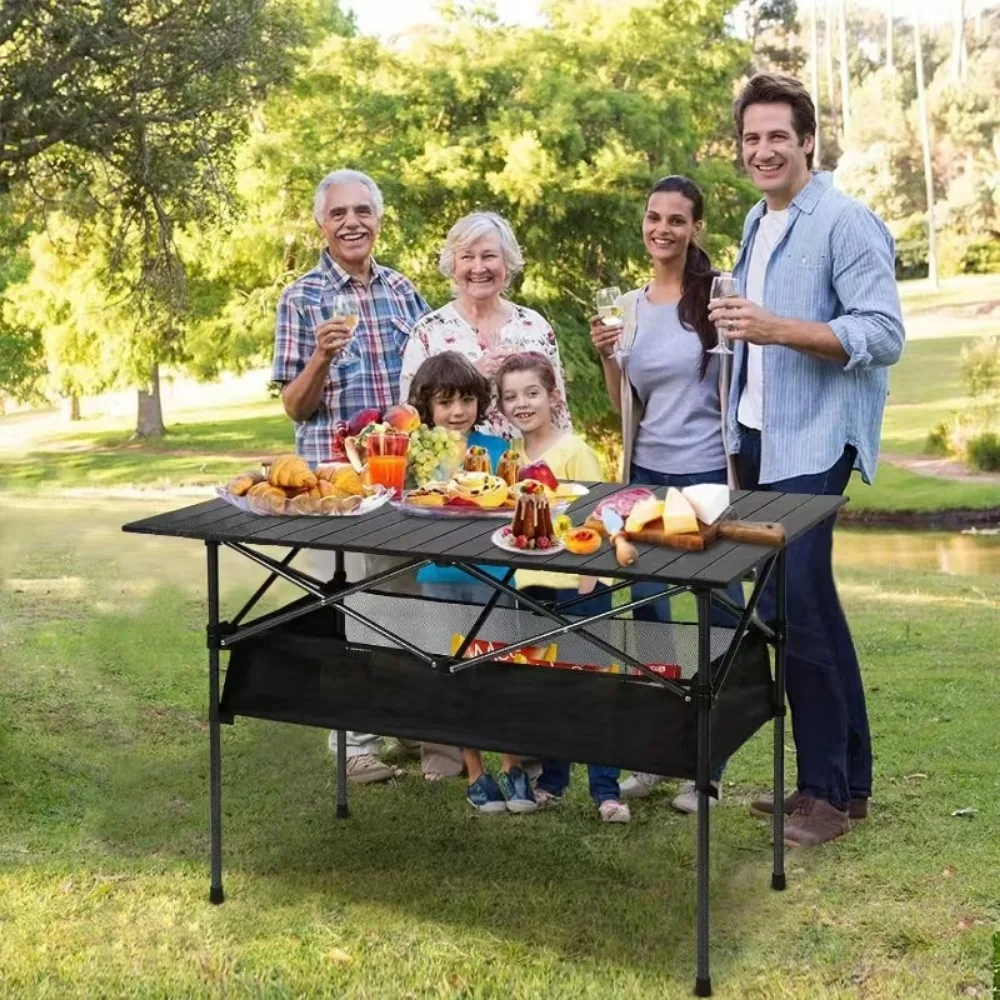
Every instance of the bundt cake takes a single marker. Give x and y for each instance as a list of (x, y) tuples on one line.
[(532, 524), (508, 467)]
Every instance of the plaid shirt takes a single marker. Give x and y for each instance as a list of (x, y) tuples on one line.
[(365, 374)]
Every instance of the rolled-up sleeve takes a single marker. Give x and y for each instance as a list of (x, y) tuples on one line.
[(294, 340), (870, 329)]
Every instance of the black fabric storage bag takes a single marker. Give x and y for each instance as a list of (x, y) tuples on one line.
[(301, 673)]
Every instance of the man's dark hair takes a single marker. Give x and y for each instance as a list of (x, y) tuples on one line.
[(445, 376), (777, 88)]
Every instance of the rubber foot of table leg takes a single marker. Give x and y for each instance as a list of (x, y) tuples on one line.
[(342, 812), (778, 882), (703, 987), (215, 895)]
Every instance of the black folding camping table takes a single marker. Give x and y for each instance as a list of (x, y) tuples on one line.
[(359, 655)]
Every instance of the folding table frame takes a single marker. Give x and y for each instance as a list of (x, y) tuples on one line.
[(281, 665)]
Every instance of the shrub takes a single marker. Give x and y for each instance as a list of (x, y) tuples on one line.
[(938, 440), (983, 452), (981, 257)]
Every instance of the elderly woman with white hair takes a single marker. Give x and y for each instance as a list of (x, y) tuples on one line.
[(481, 256)]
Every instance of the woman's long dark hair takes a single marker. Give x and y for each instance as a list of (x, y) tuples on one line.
[(696, 284)]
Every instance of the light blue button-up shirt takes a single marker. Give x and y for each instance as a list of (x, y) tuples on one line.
[(834, 264)]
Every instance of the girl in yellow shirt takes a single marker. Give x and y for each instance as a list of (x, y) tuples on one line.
[(526, 386)]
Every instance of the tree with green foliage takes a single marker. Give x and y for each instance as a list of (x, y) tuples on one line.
[(562, 129), (125, 115)]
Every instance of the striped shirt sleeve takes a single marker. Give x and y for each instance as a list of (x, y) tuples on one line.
[(294, 340), (871, 327)]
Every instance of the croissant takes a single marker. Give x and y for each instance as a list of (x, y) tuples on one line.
[(346, 479), (293, 472), (304, 503), (242, 483), (266, 499)]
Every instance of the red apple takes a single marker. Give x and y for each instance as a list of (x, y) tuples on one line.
[(361, 420), (403, 418), (540, 472)]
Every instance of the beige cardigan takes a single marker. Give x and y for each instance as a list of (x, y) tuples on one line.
[(631, 407)]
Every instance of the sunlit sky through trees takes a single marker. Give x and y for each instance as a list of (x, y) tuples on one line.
[(390, 17)]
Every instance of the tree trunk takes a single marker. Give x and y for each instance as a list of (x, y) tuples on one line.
[(831, 93), (925, 139), (845, 81), (814, 79), (958, 59), (890, 53), (149, 420), (73, 408)]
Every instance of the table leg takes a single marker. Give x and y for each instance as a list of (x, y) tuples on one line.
[(342, 810), (703, 981), (215, 894), (340, 582), (778, 873)]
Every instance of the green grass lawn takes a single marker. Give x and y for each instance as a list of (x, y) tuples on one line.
[(103, 821)]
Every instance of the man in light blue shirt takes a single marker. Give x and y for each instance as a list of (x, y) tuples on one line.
[(814, 334)]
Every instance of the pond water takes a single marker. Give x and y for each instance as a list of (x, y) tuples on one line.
[(942, 551)]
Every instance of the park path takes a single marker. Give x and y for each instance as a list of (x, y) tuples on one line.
[(939, 468)]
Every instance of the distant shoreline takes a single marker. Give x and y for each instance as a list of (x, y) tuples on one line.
[(956, 519)]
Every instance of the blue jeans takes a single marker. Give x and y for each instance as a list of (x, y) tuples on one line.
[(825, 690), (660, 611), (554, 778)]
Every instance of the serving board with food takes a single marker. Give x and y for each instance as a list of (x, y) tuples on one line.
[(692, 519)]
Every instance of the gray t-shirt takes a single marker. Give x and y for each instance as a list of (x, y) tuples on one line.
[(681, 428)]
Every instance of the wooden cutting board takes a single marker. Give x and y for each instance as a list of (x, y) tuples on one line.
[(753, 532)]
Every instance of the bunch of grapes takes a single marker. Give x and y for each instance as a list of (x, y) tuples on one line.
[(434, 454)]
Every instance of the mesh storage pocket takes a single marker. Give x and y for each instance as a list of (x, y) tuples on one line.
[(431, 624), (304, 672)]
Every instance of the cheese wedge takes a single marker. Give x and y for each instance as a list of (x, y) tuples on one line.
[(679, 517), (642, 513), (709, 500)]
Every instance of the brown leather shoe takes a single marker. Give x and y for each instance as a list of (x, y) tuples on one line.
[(764, 807), (815, 822)]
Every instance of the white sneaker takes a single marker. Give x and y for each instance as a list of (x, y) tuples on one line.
[(365, 768), (639, 784), (613, 811), (686, 800)]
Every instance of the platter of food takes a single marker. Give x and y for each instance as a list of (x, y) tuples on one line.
[(475, 491), (287, 486)]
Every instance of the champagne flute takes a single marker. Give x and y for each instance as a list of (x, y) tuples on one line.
[(723, 287)]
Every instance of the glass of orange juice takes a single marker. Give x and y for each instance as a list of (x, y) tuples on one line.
[(387, 460)]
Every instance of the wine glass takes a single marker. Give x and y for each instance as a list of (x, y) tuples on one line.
[(345, 308), (723, 287), (608, 308), (610, 311)]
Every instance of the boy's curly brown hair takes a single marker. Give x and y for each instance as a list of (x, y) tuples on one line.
[(445, 376)]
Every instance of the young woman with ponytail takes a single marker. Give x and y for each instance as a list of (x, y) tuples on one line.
[(671, 393)]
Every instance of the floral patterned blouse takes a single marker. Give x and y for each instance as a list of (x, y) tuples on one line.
[(446, 330)]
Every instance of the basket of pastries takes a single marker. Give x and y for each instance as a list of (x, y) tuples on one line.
[(286, 485)]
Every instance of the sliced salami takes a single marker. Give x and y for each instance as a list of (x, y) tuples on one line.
[(623, 501)]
